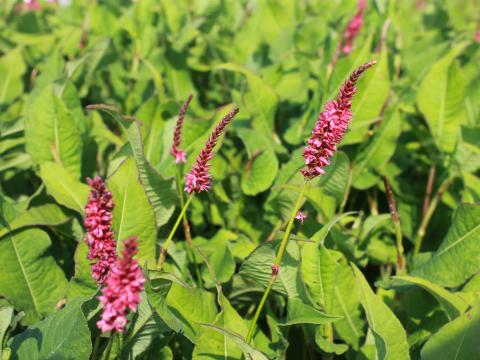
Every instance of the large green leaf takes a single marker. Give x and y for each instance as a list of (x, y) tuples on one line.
[(458, 257), (389, 334), (31, 278), (133, 214), (300, 313), (213, 343), (456, 340), (12, 67), (452, 304), (64, 187), (248, 351), (346, 304), (191, 307), (257, 267), (371, 161), (441, 99), (63, 335), (373, 90), (47, 214), (51, 133), (160, 191)]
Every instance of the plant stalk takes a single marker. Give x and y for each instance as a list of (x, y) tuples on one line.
[(278, 259), (109, 347), (428, 215), (163, 253), (186, 228)]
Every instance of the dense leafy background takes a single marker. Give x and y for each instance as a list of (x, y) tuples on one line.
[(417, 113)]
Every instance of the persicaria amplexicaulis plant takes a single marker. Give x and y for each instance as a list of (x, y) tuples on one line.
[(98, 222), (199, 178), (321, 146), (123, 286), (175, 151)]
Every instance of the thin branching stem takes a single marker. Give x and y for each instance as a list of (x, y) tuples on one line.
[(163, 253), (278, 260)]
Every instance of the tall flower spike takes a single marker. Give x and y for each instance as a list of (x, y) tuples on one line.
[(199, 178), (122, 290), (177, 153), (331, 127), (98, 222), (353, 28)]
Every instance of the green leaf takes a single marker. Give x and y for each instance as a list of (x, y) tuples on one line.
[(328, 346), (441, 99), (6, 314), (371, 161), (12, 67), (390, 337), (160, 192), (257, 267), (456, 340), (82, 283), (259, 100), (451, 303), (63, 335), (51, 133), (191, 307), (373, 88), (300, 313), (212, 343), (346, 304), (31, 279), (462, 242), (319, 272), (334, 182), (260, 173), (64, 187), (48, 214), (248, 351), (133, 215)]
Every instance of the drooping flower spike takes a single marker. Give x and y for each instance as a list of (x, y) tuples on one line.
[(199, 178), (353, 28), (175, 151), (122, 291), (98, 222), (331, 127)]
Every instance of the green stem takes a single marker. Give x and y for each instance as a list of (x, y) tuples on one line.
[(96, 345), (431, 209), (278, 259), (163, 253), (109, 347), (186, 228)]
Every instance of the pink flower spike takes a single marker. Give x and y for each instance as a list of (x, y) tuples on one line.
[(477, 37), (177, 153), (98, 221), (301, 216), (199, 179), (353, 28), (331, 127), (122, 291), (32, 5)]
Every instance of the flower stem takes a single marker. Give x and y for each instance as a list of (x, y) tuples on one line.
[(163, 253), (109, 347), (186, 228), (96, 345), (278, 259), (428, 215)]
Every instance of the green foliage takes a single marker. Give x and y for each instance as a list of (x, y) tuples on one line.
[(93, 88)]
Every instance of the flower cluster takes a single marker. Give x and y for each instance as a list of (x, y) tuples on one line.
[(301, 216), (331, 127), (99, 237), (199, 179), (175, 151), (353, 28), (123, 286)]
